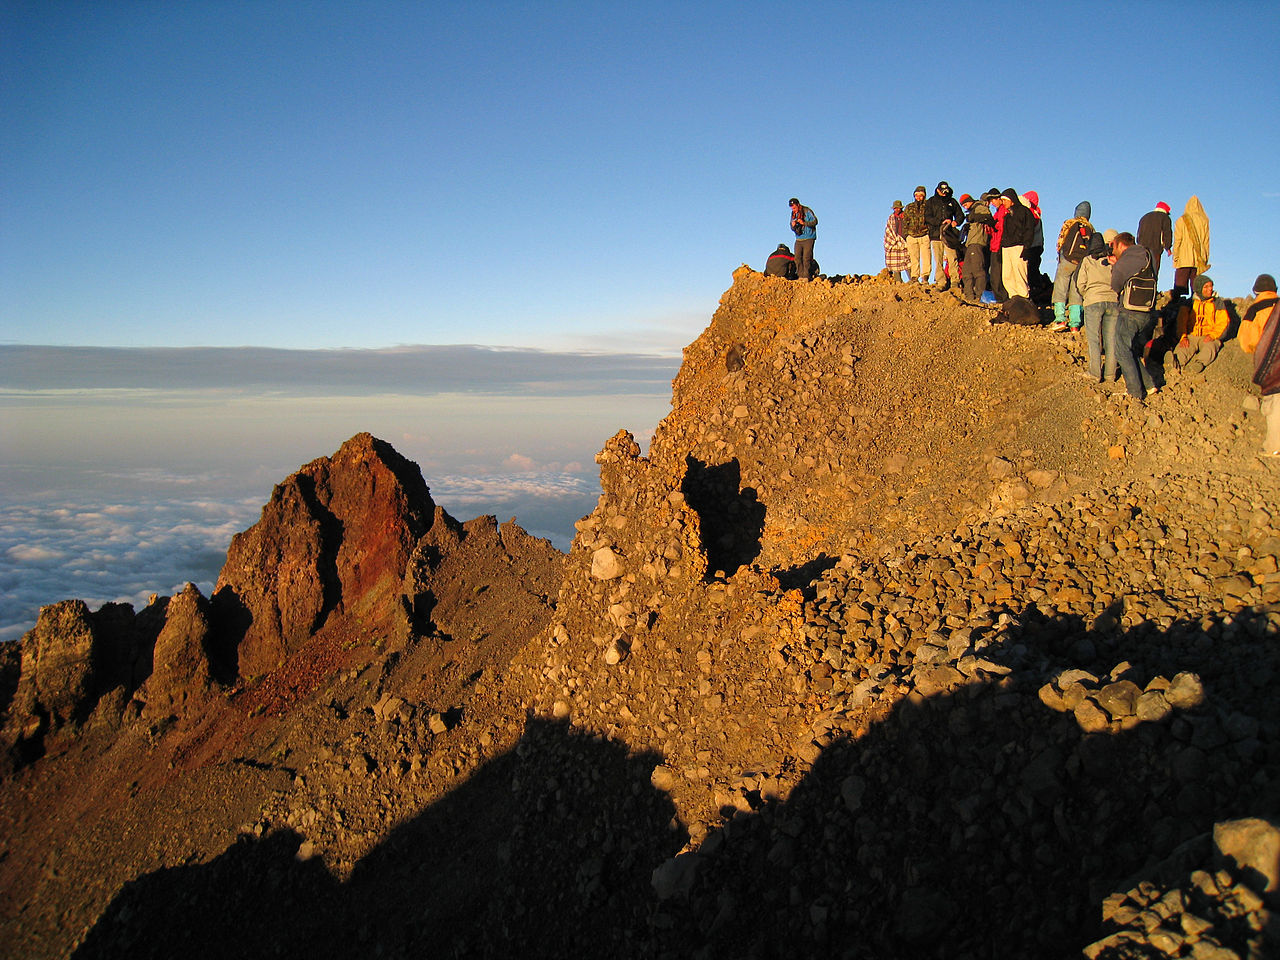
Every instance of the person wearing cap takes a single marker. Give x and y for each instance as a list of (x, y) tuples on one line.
[(941, 210), (977, 241), (1128, 258), (896, 259), (804, 224), (1266, 369), (1190, 246), (1155, 232), (1258, 314), (1073, 243), (1016, 237), (781, 263), (1200, 327), (919, 264)]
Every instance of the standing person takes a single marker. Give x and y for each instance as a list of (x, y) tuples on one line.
[(977, 240), (804, 224), (1127, 261), (781, 263), (1101, 309), (1015, 243), (1266, 374), (1155, 232), (1035, 250), (896, 259), (941, 210), (1201, 326), (995, 262), (917, 238), (1190, 246), (1073, 244)]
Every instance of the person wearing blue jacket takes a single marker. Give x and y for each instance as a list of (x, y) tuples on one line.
[(804, 224)]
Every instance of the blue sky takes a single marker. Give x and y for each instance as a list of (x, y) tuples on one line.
[(572, 175)]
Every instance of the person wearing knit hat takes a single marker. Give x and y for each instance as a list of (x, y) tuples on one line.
[(1155, 232), (896, 258), (1073, 244), (919, 261), (804, 224), (1200, 327), (977, 242), (1259, 313)]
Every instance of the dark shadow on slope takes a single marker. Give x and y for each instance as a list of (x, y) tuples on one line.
[(805, 574), (732, 518), (976, 824), (545, 851)]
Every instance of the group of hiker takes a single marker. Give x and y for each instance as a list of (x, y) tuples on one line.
[(1105, 282)]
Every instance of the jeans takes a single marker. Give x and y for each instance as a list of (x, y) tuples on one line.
[(1129, 343), (804, 259), (1064, 283), (1100, 337)]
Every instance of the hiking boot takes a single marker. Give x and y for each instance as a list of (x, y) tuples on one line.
[(1059, 326)]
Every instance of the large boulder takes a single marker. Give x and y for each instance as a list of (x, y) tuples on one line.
[(334, 540)]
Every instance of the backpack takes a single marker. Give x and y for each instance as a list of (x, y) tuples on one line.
[(1139, 292), (1075, 245), (1020, 311)]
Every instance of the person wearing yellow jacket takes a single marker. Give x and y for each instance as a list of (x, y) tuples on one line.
[(1190, 246), (1200, 327), (1255, 319)]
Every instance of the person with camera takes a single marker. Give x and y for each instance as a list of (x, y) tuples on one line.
[(804, 224)]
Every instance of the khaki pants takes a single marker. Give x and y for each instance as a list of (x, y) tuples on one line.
[(942, 254), (1204, 349), (918, 250), (1271, 410), (1013, 271)]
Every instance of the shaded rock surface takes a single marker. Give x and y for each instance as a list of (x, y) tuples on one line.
[(898, 641)]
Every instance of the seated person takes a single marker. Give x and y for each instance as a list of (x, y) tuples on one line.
[(781, 263), (1200, 327)]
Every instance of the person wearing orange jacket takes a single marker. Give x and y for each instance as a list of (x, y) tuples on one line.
[(1201, 325)]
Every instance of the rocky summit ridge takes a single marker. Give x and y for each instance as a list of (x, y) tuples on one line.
[(900, 640)]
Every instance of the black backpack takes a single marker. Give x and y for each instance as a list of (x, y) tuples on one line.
[(1075, 245), (1139, 292)]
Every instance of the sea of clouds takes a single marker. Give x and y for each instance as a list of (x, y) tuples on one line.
[(125, 473)]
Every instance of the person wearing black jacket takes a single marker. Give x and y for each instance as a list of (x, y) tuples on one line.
[(939, 210), (1155, 232), (1015, 243)]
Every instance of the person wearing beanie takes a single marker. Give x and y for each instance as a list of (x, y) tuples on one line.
[(940, 211), (1190, 246), (781, 263), (1155, 232), (1035, 252), (977, 241), (1015, 243), (1200, 327), (896, 258), (804, 224), (1259, 312), (918, 262), (1101, 309), (1073, 244), (1266, 368)]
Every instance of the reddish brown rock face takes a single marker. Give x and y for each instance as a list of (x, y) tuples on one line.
[(334, 539)]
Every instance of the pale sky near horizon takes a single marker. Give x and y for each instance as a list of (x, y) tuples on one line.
[(573, 175)]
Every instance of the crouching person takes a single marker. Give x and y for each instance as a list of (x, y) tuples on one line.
[(1201, 325)]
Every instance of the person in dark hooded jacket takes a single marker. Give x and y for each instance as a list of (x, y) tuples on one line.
[(1016, 236), (941, 210), (781, 263)]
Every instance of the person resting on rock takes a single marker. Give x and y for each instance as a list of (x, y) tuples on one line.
[(1200, 327), (781, 263)]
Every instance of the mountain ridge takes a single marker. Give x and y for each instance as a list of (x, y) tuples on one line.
[(878, 547)]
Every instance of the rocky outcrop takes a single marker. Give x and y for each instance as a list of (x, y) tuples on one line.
[(333, 541), (184, 662)]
